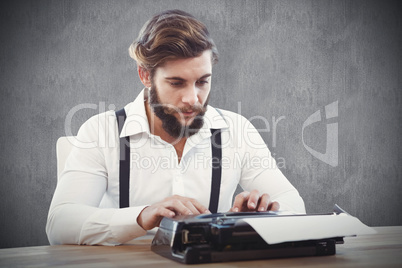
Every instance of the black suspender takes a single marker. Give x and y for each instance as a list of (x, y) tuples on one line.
[(124, 169), (216, 169)]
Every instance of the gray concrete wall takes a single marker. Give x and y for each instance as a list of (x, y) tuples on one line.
[(280, 62)]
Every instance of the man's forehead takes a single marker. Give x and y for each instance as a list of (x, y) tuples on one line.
[(199, 67)]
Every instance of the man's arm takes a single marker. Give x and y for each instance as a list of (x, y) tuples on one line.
[(74, 215)]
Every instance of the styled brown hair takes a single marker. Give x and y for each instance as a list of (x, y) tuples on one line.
[(169, 35)]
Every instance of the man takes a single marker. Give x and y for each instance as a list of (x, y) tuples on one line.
[(169, 125)]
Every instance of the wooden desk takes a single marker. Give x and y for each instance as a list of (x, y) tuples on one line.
[(383, 249)]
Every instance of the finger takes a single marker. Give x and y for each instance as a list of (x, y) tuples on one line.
[(200, 209), (253, 200), (164, 212), (264, 202), (178, 206), (240, 199), (190, 204), (274, 206)]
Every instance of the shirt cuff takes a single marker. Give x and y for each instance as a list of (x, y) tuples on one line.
[(124, 226)]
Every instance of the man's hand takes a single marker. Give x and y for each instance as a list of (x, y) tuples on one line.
[(151, 216), (252, 201)]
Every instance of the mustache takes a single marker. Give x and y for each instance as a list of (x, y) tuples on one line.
[(170, 109), (194, 108)]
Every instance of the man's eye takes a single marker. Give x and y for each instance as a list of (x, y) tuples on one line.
[(176, 84), (202, 82)]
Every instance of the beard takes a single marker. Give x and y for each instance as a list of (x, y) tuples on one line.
[(170, 123)]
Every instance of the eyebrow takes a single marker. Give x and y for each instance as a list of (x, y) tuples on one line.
[(182, 79)]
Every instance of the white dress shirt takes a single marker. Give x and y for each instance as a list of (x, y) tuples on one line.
[(85, 206)]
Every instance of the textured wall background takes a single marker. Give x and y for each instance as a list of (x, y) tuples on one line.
[(279, 61)]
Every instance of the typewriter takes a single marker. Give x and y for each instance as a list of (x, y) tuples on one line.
[(224, 237)]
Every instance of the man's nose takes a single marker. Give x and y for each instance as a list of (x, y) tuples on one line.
[(190, 95)]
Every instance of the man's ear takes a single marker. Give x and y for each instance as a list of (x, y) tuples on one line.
[(144, 75)]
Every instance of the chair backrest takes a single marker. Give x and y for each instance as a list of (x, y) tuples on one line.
[(63, 149)]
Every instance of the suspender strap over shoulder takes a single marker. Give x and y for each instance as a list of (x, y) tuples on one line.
[(124, 169), (216, 169)]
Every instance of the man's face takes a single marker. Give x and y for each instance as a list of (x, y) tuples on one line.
[(179, 94)]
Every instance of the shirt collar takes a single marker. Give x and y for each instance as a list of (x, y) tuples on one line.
[(137, 121)]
